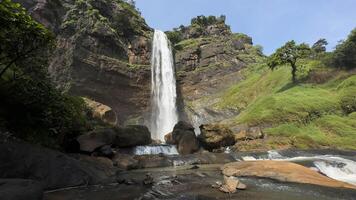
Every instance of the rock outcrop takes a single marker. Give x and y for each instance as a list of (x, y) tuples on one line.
[(103, 52), (281, 171), (214, 136), (209, 59)]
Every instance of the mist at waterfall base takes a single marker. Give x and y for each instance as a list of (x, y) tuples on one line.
[(163, 88)]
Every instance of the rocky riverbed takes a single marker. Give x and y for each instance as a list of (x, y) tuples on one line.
[(195, 182)]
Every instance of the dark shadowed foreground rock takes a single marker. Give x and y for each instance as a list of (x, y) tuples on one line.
[(281, 171), (51, 168), (133, 135), (20, 189), (214, 136), (184, 137)]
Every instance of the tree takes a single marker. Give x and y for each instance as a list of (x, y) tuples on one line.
[(21, 37), (320, 46), (289, 53), (345, 52)]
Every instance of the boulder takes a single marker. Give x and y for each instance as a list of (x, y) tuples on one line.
[(101, 111), (214, 136), (281, 171), (180, 129), (184, 137), (168, 138), (51, 168), (230, 184), (188, 144), (250, 133), (132, 135), (95, 139), (20, 189)]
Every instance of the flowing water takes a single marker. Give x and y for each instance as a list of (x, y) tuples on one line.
[(155, 150), (163, 92)]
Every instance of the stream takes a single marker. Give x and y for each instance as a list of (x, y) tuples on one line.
[(194, 181)]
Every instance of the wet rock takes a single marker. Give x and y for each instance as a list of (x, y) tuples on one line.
[(125, 161), (214, 136), (230, 185), (148, 179), (152, 161), (132, 135), (281, 171), (95, 139), (20, 189)]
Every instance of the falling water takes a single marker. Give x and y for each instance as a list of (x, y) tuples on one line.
[(163, 91)]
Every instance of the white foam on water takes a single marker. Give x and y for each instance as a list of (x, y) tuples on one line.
[(155, 150)]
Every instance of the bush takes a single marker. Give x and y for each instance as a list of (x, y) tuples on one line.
[(344, 55)]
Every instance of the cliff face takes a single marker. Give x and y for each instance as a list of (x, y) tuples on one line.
[(209, 58), (103, 52)]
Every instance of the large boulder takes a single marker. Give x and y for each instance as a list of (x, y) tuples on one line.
[(20, 189), (101, 111), (281, 171), (132, 135), (214, 136), (188, 144), (95, 139), (51, 168), (183, 136)]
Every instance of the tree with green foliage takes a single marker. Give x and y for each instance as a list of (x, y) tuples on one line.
[(344, 55), (30, 105), (320, 46), (289, 53), (21, 38)]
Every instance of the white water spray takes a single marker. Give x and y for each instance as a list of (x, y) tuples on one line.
[(163, 92)]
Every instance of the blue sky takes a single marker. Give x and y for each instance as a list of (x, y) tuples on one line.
[(270, 22)]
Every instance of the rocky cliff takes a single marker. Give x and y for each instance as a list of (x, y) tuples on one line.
[(102, 52), (209, 58)]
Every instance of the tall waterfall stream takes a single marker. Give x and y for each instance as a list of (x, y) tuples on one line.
[(163, 92)]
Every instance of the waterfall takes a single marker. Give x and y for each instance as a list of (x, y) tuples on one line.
[(163, 90)]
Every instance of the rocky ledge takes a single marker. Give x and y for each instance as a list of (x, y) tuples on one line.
[(281, 171)]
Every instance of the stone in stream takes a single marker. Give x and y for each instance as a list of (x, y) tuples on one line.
[(231, 184)]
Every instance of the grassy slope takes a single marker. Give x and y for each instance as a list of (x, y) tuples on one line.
[(306, 115)]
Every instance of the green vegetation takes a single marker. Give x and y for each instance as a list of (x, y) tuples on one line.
[(344, 55), (30, 106), (317, 112), (289, 53)]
